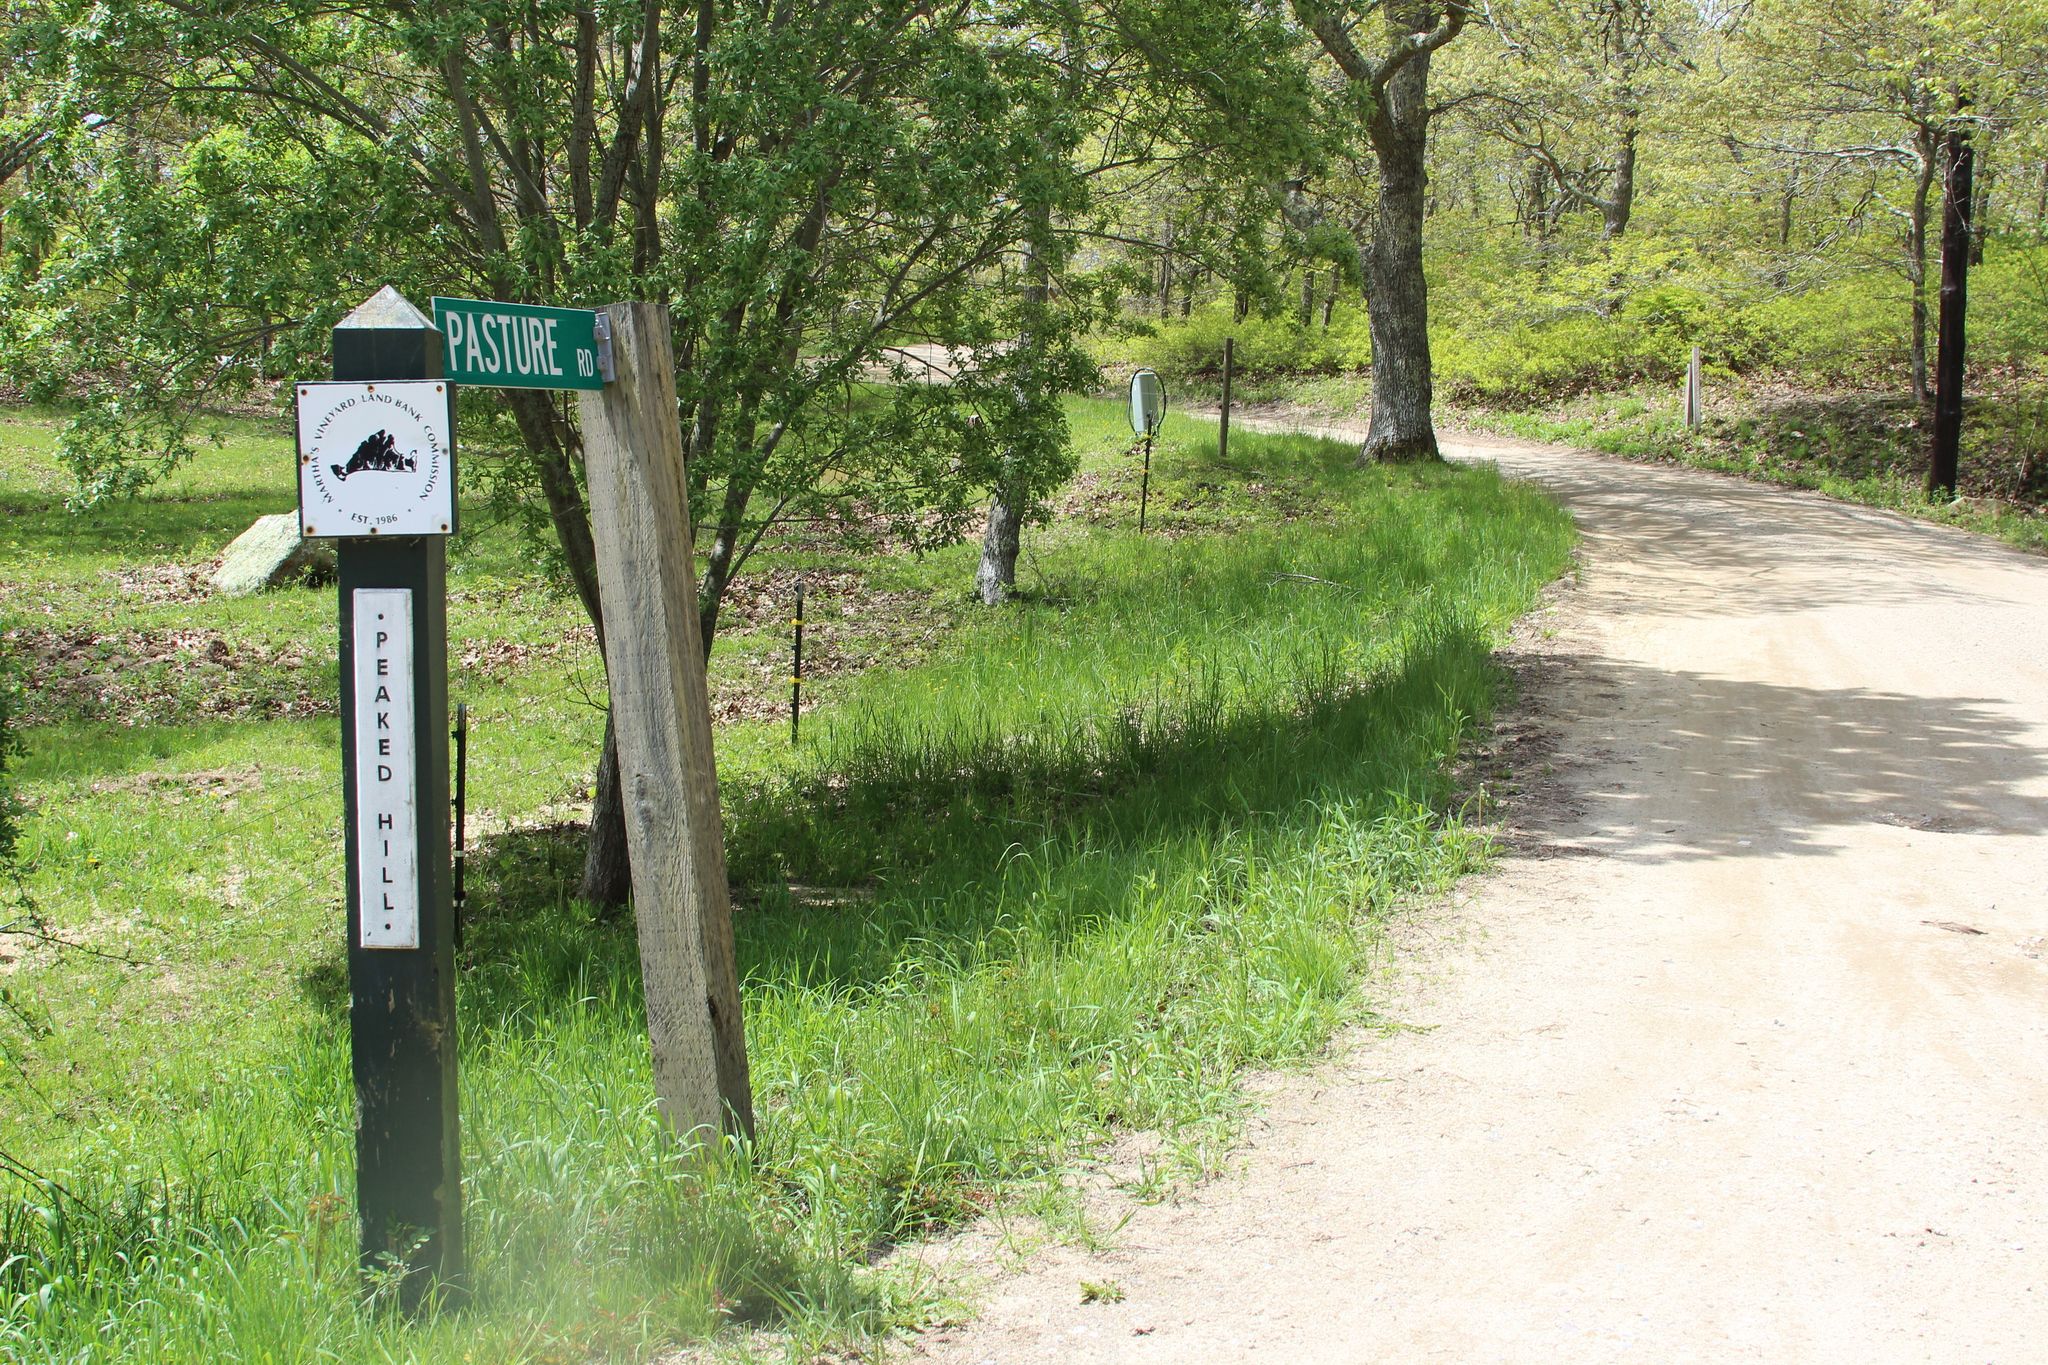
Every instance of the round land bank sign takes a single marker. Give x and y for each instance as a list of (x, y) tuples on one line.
[(376, 459)]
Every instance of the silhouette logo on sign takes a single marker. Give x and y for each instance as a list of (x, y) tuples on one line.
[(378, 453)]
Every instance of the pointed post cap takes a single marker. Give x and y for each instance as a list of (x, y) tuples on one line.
[(386, 310), (387, 338)]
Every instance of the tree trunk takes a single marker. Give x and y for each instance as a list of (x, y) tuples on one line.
[(1956, 245), (995, 577), (722, 560), (1397, 297), (607, 869), (607, 878), (1980, 203), (1165, 269), (1926, 145), (1616, 209), (1535, 204)]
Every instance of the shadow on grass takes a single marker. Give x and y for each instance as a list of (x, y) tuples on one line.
[(153, 527), (905, 842), (520, 914)]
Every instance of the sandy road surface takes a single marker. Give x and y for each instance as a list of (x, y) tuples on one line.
[(1711, 1070)]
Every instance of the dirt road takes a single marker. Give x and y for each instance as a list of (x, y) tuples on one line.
[(1743, 1053)]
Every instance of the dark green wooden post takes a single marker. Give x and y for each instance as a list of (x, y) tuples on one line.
[(402, 1001)]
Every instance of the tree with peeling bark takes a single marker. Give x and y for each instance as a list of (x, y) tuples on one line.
[(1389, 80)]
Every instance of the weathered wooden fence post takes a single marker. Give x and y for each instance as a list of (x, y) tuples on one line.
[(661, 714), (1223, 424), (1695, 392), (394, 715)]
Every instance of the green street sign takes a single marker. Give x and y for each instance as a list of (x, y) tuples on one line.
[(520, 346)]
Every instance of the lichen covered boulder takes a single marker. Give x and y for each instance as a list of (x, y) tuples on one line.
[(271, 554)]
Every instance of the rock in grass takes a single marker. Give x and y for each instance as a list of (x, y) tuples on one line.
[(272, 553)]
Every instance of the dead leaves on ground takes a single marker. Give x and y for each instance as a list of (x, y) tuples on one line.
[(111, 674)]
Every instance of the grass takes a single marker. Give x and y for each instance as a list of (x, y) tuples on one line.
[(1049, 873)]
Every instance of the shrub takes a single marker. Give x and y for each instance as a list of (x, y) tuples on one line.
[(1185, 348), (1508, 327)]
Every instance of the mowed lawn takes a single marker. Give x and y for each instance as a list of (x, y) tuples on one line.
[(1035, 876)]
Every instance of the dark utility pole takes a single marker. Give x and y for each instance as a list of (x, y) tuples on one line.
[(402, 1001), (1955, 269)]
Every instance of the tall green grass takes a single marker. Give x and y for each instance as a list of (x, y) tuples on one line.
[(1105, 850)]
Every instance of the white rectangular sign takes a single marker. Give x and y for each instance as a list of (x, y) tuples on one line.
[(387, 824), (376, 459)]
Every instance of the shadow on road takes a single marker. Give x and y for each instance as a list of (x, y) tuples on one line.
[(1651, 765)]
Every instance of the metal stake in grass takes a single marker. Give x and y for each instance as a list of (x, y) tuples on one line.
[(461, 812), (1223, 423), (796, 666)]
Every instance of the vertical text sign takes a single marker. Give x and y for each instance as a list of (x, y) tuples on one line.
[(382, 750)]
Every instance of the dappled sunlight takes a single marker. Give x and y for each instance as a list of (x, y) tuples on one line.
[(1770, 770)]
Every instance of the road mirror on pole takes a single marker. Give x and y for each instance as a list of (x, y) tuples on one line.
[(1148, 410), (1148, 402)]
